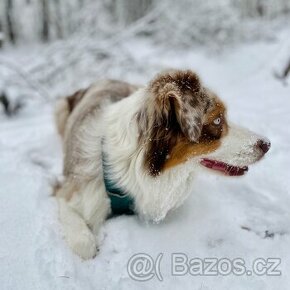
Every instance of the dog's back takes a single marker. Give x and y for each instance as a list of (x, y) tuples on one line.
[(64, 107), (91, 97)]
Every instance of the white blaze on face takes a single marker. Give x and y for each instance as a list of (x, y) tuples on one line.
[(239, 147)]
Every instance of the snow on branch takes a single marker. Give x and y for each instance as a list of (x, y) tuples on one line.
[(87, 39)]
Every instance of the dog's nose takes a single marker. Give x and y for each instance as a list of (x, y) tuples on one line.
[(264, 145)]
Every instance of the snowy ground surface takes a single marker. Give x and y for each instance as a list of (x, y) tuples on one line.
[(210, 224)]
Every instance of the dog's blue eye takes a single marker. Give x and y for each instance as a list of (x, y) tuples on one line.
[(217, 121)]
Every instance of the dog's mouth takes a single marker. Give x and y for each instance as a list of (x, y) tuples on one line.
[(223, 167)]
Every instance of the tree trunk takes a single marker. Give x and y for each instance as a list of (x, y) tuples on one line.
[(1, 35), (58, 19), (128, 11), (260, 8), (10, 22), (45, 21)]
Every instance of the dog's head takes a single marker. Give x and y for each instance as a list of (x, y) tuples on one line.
[(183, 121)]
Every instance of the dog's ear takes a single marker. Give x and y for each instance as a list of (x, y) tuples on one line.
[(181, 93), (175, 107)]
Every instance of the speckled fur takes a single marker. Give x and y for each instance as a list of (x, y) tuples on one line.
[(153, 137)]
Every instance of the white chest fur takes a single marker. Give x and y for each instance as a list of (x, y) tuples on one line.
[(154, 196)]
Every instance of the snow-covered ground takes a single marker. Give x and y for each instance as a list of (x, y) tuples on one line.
[(245, 217)]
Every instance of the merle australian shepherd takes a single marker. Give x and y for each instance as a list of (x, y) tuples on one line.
[(145, 144)]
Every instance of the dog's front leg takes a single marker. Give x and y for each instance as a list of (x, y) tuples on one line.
[(82, 216), (76, 232)]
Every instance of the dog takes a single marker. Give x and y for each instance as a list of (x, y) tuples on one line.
[(138, 148)]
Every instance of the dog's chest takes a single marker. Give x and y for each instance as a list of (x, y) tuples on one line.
[(159, 199)]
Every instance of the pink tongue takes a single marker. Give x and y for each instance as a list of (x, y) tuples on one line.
[(224, 167), (216, 165)]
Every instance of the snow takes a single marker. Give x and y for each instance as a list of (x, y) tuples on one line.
[(33, 254)]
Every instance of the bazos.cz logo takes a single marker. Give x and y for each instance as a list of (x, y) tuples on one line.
[(143, 267), (181, 265)]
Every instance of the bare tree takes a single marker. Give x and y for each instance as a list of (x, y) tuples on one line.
[(45, 20), (10, 21), (260, 8), (58, 18), (128, 11), (1, 34)]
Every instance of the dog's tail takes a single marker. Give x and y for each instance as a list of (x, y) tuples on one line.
[(64, 108)]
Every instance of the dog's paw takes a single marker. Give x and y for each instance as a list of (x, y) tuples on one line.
[(84, 244)]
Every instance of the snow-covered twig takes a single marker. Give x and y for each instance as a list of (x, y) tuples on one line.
[(32, 83)]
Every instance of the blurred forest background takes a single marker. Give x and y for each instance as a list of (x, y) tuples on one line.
[(48, 46)]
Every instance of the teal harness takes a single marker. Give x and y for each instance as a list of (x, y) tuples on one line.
[(121, 202)]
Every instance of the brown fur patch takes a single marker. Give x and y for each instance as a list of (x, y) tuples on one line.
[(185, 150), (176, 105), (74, 99), (162, 139), (209, 139), (182, 80), (211, 131), (182, 92)]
